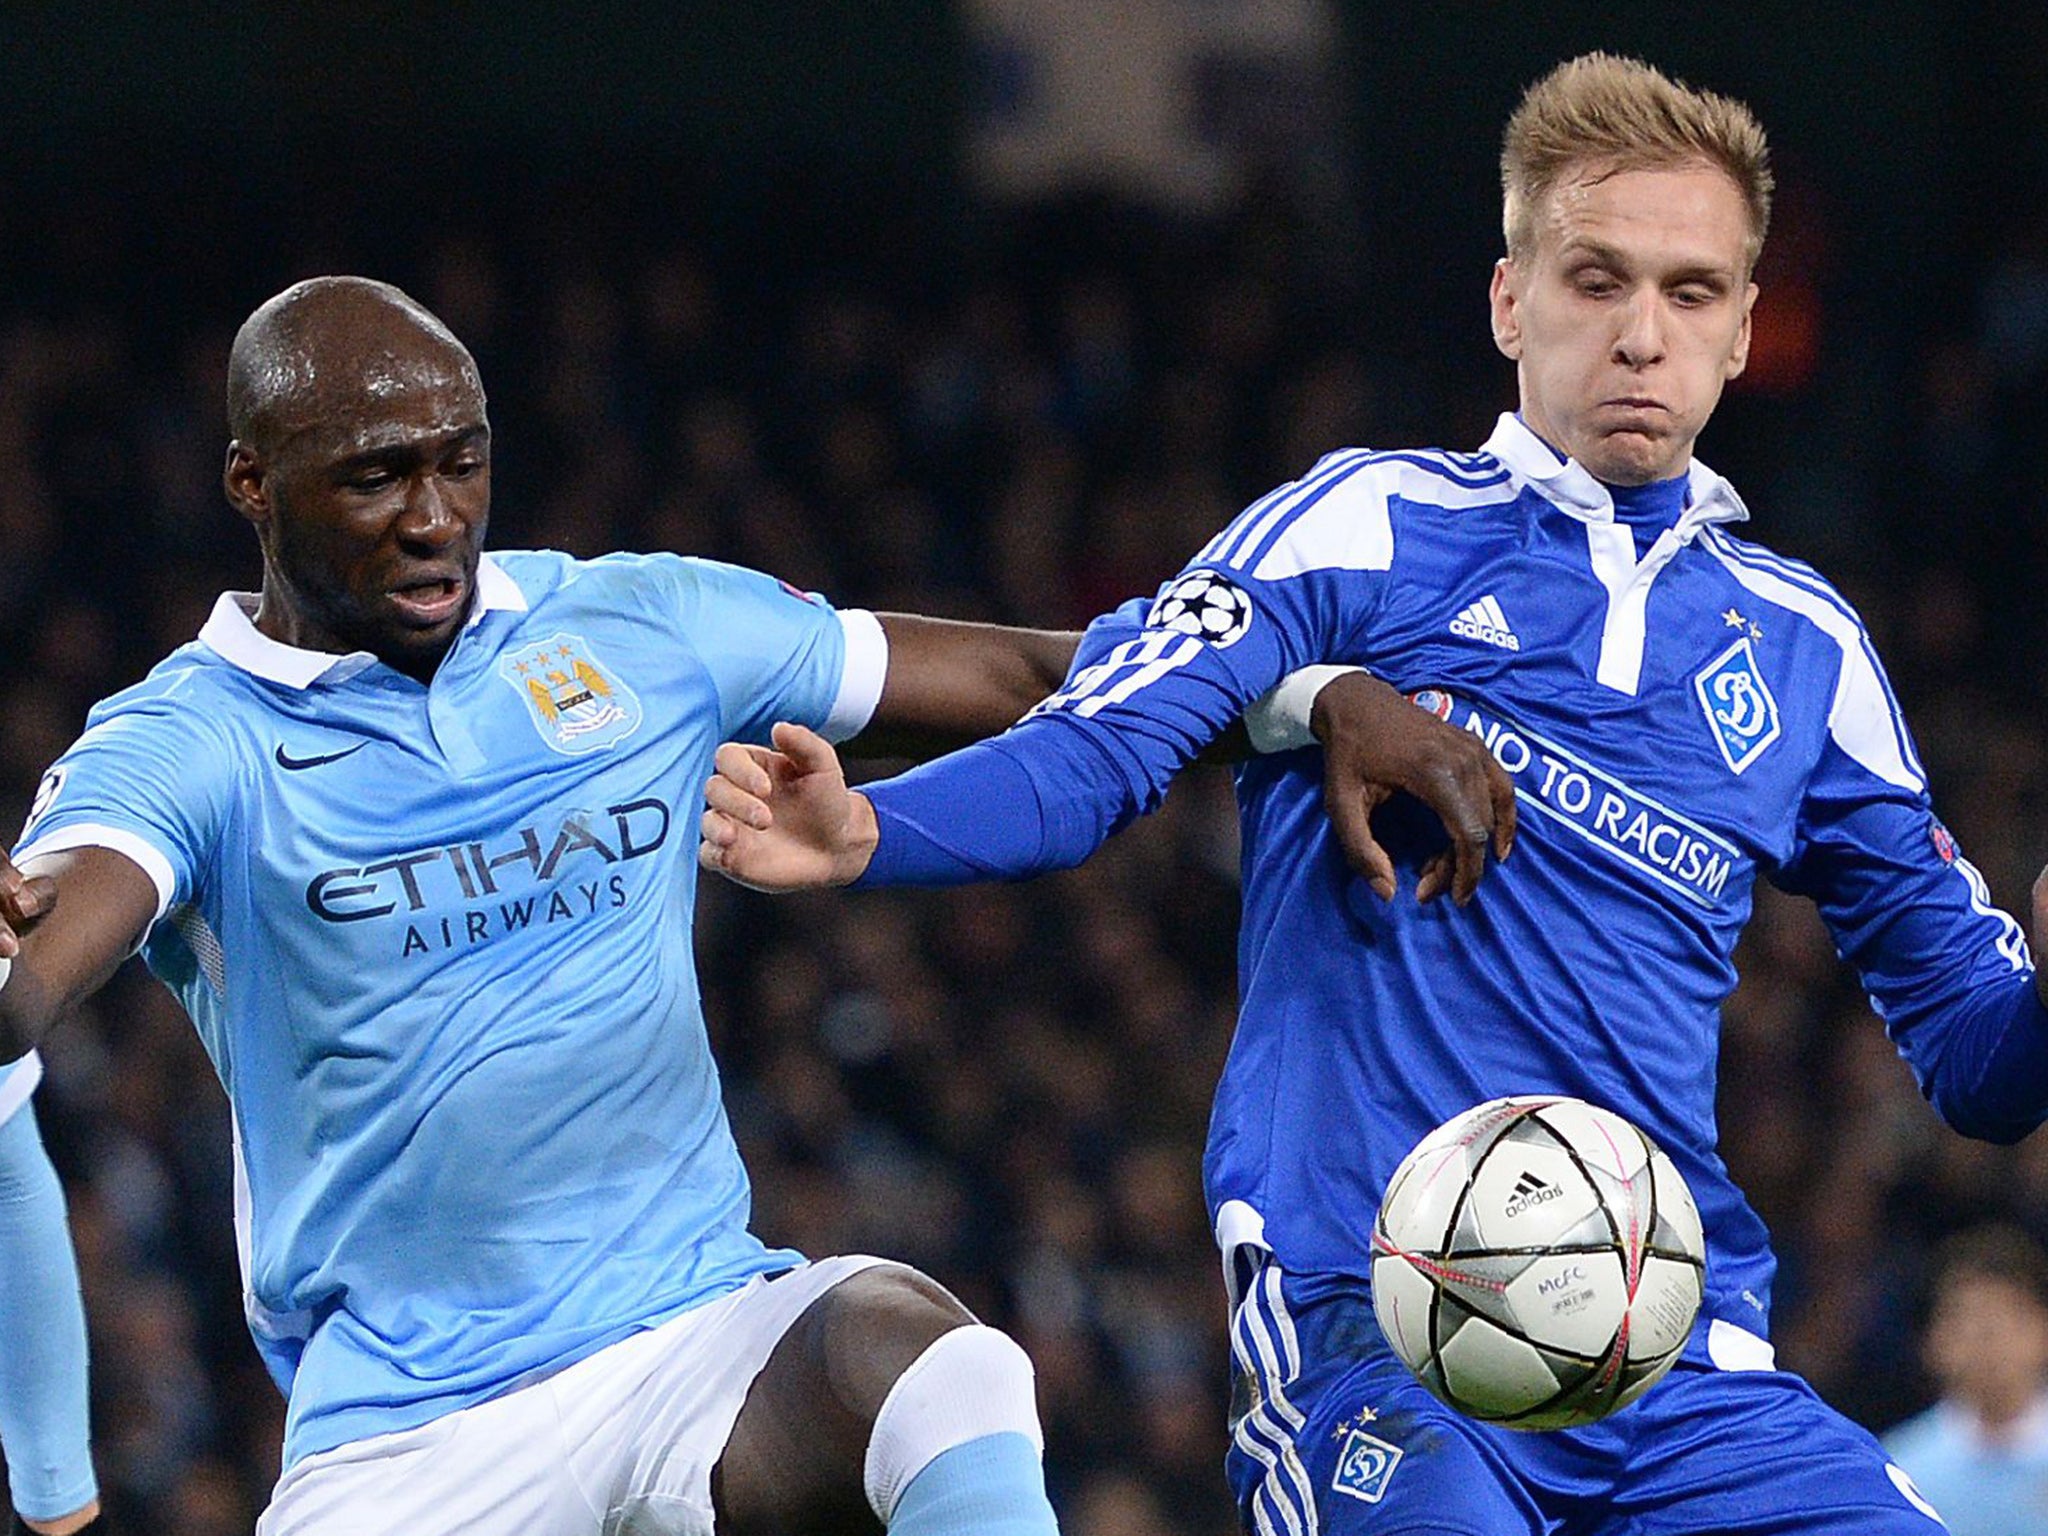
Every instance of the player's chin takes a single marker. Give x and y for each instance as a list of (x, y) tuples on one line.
[(1635, 457)]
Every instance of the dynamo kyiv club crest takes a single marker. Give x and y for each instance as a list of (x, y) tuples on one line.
[(578, 705), (1740, 709), (1365, 1466)]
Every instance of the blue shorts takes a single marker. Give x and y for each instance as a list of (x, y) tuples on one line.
[(1331, 1435)]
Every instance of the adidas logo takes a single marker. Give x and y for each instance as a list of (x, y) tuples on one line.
[(1530, 1190), (1484, 621)]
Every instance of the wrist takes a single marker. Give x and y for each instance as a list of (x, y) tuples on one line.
[(863, 837), (1285, 718)]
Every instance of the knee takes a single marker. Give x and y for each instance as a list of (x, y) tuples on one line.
[(970, 1382), (872, 1326)]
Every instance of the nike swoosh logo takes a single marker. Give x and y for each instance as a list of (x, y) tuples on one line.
[(286, 760)]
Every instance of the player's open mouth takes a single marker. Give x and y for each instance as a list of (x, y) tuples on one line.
[(427, 603)]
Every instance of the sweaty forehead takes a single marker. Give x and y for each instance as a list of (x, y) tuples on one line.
[(348, 367)]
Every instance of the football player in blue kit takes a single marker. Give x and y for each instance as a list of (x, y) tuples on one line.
[(1682, 711), (43, 1422), (407, 833)]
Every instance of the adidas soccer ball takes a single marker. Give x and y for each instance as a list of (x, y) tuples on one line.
[(1537, 1262)]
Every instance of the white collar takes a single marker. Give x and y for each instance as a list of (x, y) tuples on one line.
[(1570, 486), (230, 631)]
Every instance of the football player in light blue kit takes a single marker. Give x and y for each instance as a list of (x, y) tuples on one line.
[(1682, 712), (43, 1422), (409, 834)]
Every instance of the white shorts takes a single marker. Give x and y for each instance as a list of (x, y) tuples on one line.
[(619, 1444)]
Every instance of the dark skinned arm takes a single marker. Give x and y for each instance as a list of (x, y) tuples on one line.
[(66, 924), (951, 682)]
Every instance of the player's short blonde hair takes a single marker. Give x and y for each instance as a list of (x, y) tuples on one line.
[(1619, 114)]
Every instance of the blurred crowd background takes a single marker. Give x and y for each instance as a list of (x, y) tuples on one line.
[(998, 310)]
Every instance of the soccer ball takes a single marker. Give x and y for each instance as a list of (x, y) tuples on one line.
[(1537, 1262), (1205, 604)]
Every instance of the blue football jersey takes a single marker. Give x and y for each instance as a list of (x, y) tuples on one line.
[(437, 942), (1681, 711)]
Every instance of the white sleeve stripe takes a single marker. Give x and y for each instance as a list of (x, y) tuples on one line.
[(1308, 493), (150, 859), (17, 1082), (1143, 677), (1251, 526), (860, 682), (1215, 548)]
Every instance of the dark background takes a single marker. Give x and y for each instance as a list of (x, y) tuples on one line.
[(734, 291)]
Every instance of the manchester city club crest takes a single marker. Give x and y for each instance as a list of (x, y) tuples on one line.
[(578, 704), (1740, 709)]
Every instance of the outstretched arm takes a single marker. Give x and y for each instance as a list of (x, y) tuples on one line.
[(786, 820)]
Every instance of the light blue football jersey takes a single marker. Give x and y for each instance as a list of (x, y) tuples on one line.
[(1682, 713), (18, 1081), (437, 942)]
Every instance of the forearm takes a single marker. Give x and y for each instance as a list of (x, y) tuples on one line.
[(1983, 1061), (989, 812), (43, 1420), (951, 683)]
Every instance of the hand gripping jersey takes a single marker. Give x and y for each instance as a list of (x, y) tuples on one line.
[(437, 943), (1679, 715)]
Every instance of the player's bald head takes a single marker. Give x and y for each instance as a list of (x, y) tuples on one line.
[(326, 347)]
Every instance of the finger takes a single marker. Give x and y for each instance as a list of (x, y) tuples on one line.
[(1351, 814), (717, 830), (27, 901), (1471, 835), (726, 798), (805, 748), (1436, 876), (743, 766), (1501, 789), (1460, 795), (39, 896)]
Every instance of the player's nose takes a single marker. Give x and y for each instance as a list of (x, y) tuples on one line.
[(429, 516), (1640, 340)]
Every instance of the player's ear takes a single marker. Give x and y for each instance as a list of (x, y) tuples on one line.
[(1502, 301), (242, 478)]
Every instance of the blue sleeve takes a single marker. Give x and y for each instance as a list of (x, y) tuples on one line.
[(43, 1424), (1946, 970), (1152, 685), (773, 652)]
